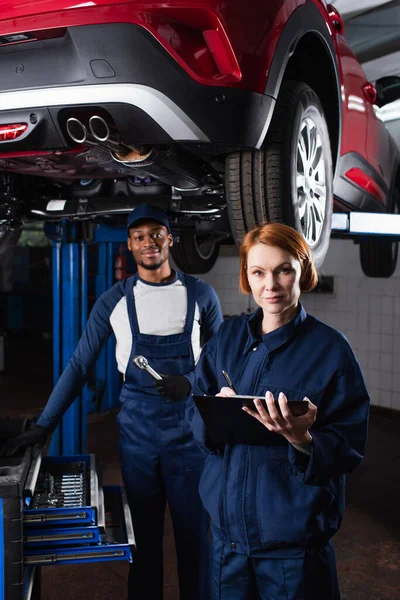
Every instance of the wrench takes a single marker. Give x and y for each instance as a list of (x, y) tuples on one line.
[(142, 363)]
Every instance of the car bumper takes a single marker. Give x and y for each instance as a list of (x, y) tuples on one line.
[(122, 69)]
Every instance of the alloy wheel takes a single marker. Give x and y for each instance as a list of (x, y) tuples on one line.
[(311, 181)]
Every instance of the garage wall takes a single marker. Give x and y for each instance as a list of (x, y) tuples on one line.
[(366, 310), (394, 129)]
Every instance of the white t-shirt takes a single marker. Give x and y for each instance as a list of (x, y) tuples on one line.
[(161, 310)]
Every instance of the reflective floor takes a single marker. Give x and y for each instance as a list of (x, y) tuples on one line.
[(367, 546)]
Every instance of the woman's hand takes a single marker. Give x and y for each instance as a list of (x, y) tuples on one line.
[(226, 392), (294, 429)]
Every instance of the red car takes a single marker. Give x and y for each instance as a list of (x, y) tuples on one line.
[(226, 114)]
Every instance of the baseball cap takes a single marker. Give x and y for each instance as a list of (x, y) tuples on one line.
[(149, 212)]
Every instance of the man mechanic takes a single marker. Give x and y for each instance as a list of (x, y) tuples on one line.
[(161, 314)]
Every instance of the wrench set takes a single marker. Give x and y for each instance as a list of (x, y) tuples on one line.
[(57, 488)]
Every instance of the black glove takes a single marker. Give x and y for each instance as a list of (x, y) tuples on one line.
[(36, 434), (173, 387)]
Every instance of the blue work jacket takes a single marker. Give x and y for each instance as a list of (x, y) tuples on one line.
[(273, 499), (99, 328)]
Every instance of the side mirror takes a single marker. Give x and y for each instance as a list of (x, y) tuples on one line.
[(387, 90)]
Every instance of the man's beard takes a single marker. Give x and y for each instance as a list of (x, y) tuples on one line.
[(152, 267)]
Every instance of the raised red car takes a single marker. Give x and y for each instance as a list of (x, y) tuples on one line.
[(225, 113)]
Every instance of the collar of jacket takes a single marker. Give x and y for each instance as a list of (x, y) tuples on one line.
[(276, 338)]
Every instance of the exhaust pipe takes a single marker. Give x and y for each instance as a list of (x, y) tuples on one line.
[(76, 130), (170, 166), (100, 130), (99, 135)]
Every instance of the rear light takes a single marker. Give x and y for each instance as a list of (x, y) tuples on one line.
[(366, 182), (219, 52), (12, 132), (198, 42)]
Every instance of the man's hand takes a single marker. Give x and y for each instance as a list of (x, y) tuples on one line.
[(36, 434), (173, 387)]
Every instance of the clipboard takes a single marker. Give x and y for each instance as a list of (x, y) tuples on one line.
[(227, 423)]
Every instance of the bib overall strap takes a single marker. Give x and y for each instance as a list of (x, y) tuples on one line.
[(190, 283), (130, 304)]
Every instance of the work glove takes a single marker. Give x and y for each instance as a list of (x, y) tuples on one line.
[(173, 387), (36, 435)]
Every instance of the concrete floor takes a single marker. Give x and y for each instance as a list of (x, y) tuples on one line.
[(367, 546)]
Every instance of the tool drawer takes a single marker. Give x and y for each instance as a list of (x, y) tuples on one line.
[(71, 518), (66, 491), (114, 544), (53, 510)]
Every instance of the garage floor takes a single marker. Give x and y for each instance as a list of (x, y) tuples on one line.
[(368, 545)]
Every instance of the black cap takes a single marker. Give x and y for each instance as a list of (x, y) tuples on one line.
[(150, 213)]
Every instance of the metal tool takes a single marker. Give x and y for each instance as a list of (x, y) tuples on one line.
[(142, 363)]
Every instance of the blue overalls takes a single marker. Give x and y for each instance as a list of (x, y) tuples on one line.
[(161, 462)]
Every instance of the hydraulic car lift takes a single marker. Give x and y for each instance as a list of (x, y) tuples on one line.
[(70, 311), (357, 224)]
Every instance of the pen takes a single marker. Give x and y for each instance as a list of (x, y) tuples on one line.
[(227, 379)]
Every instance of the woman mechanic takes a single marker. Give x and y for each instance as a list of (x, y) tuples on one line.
[(274, 508)]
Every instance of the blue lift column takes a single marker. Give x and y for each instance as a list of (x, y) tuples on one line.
[(70, 313), (106, 373), (70, 285), (108, 240)]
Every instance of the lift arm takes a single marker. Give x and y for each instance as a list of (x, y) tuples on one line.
[(355, 224)]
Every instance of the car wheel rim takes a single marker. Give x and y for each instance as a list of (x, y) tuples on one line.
[(204, 247), (311, 181)]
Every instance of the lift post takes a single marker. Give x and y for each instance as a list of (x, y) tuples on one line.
[(105, 370), (70, 290), (71, 283), (107, 240)]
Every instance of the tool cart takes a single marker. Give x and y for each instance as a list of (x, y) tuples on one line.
[(54, 510)]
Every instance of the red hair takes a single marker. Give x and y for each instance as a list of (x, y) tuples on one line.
[(286, 238)]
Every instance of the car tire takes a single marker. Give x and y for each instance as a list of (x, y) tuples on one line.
[(289, 180), (378, 256), (194, 254)]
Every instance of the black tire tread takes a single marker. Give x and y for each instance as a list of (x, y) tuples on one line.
[(188, 260), (255, 180), (378, 257)]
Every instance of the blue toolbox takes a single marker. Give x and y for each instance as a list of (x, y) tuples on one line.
[(55, 511)]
